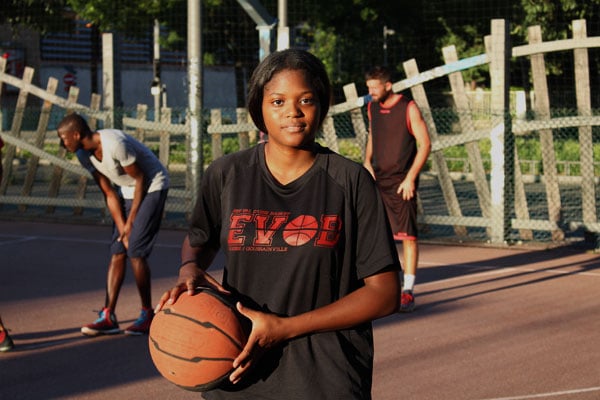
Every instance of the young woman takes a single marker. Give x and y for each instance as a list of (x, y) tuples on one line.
[(308, 246)]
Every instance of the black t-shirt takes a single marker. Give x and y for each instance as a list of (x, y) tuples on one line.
[(291, 249)]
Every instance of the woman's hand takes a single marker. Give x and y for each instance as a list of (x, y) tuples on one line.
[(190, 277), (268, 330)]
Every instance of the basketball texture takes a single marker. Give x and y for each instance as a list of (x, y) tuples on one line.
[(194, 341)]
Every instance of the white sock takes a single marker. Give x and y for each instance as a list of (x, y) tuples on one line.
[(409, 282)]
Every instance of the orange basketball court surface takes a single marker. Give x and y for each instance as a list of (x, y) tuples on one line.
[(491, 323)]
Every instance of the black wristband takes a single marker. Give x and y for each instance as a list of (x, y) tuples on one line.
[(186, 262)]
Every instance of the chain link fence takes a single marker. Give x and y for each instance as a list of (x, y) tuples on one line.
[(532, 168), (37, 203), (532, 183)]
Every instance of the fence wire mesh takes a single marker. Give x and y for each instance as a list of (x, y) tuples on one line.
[(535, 202), (552, 183)]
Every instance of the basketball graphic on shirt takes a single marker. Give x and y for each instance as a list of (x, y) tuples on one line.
[(300, 230)]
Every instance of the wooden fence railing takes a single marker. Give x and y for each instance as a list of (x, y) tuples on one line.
[(499, 202), (469, 135)]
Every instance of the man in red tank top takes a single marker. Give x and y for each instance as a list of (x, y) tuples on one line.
[(397, 148)]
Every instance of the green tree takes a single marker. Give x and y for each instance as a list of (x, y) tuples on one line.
[(134, 19), (42, 16), (553, 13), (346, 34)]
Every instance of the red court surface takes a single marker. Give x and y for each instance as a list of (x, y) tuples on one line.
[(490, 323)]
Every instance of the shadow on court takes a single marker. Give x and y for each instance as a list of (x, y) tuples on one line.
[(560, 269), (490, 323)]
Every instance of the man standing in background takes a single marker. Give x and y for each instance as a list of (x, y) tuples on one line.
[(135, 186), (397, 149)]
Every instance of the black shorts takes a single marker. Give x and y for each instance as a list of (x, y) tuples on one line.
[(401, 213), (145, 227)]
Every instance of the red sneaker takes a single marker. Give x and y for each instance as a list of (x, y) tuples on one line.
[(142, 324), (106, 324), (407, 301), (6, 343)]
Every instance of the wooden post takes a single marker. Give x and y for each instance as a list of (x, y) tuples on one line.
[(356, 117), (253, 135), (216, 138), (520, 197), (40, 137), (542, 112), (15, 129), (165, 137), (466, 125), (329, 134), (502, 140), (2, 69), (437, 157), (243, 137), (83, 180), (584, 109), (55, 182), (141, 114)]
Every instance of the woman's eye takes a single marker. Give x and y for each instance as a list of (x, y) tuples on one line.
[(277, 102), (308, 101)]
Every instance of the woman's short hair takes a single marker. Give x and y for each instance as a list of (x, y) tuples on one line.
[(290, 59)]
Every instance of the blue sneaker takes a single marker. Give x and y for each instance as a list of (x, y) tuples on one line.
[(106, 324), (142, 324)]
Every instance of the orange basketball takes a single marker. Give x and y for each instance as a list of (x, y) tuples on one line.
[(194, 341)]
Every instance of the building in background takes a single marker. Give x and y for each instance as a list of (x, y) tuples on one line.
[(74, 59)]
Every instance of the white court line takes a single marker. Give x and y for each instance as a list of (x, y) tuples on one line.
[(553, 394), (21, 238), (494, 271)]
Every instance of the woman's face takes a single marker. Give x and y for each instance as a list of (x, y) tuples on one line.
[(291, 109)]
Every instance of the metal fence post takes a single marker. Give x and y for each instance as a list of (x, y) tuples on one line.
[(195, 158)]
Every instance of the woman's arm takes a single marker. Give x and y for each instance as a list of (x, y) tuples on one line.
[(377, 298)]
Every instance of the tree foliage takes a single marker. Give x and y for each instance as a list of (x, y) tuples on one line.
[(42, 16), (346, 34), (422, 30), (134, 19)]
